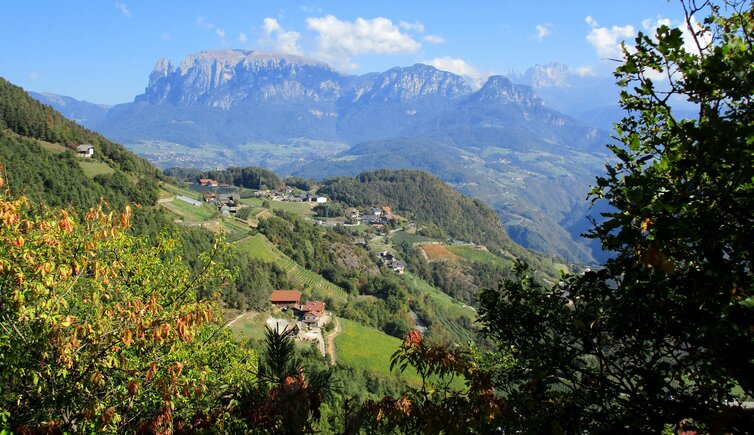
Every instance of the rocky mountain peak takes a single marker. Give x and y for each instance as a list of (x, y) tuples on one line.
[(501, 90), (411, 83)]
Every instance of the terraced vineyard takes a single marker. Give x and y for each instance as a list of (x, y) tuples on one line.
[(480, 255), (236, 230), (309, 282)]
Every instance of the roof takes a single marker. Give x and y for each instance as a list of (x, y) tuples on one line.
[(84, 148), (285, 296), (313, 306)]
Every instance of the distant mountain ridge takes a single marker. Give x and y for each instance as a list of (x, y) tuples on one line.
[(500, 143)]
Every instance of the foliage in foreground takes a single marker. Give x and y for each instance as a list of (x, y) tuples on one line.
[(661, 335), (103, 331)]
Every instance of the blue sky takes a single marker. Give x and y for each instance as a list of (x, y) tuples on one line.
[(103, 51)]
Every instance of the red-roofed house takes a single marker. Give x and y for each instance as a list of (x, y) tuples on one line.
[(208, 182), (285, 298), (311, 312)]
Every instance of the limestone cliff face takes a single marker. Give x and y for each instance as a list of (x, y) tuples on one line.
[(226, 78)]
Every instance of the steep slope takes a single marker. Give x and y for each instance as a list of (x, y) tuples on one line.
[(37, 153)]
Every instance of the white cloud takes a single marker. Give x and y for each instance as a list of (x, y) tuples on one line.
[(433, 39), (166, 36), (543, 30), (415, 26), (338, 41), (584, 71), (459, 66), (607, 41), (242, 37), (123, 9), (202, 23), (33, 76), (277, 39)]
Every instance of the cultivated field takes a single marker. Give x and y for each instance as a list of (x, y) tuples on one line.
[(366, 348), (438, 252)]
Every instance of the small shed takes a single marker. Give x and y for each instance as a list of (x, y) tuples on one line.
[(85, 150)]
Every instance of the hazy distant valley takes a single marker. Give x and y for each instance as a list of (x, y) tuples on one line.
[(499, 143)]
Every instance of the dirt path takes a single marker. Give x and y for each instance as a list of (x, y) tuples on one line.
[(238, 317), (331, 342)]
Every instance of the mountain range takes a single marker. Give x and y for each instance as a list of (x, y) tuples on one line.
[(499, 143)]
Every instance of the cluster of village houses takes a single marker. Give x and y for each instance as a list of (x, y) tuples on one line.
[(310, 313)]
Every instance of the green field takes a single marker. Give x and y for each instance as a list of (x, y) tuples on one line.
[(259, 247), (176, 190), (311, 284), (189, 213), (250, 326), (480, 255), (92, 168), (399, 237), (300, 208), (55, 148), (236, 230), (440, 299), (366, 348)]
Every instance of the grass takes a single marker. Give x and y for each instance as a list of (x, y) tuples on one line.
[(300, 208), (250, 326), (440, 299), (236, 229), (365, 348), (478, 255), (259, 247), (188, 212), (92, 168), (177, 190), (399, 237), (54, 148)]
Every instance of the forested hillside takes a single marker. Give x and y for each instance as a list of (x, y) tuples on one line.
[(37, 150), (428, 199)]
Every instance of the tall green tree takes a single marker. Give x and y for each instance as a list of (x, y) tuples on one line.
[(665, 331), (663, 335)]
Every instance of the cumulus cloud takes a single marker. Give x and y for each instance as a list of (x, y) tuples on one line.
[(543, 30), (123, 9), (433, 39), (607, 41), (415, 26), (275, 38), (459, 66), (338, 41), (242, 37)]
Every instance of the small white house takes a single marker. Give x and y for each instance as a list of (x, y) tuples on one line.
[(85, 150), (321, 200)]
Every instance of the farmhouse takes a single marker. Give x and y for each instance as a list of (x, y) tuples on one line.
[(285, 298), (208, 182), (311, 312), (85, 150)]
